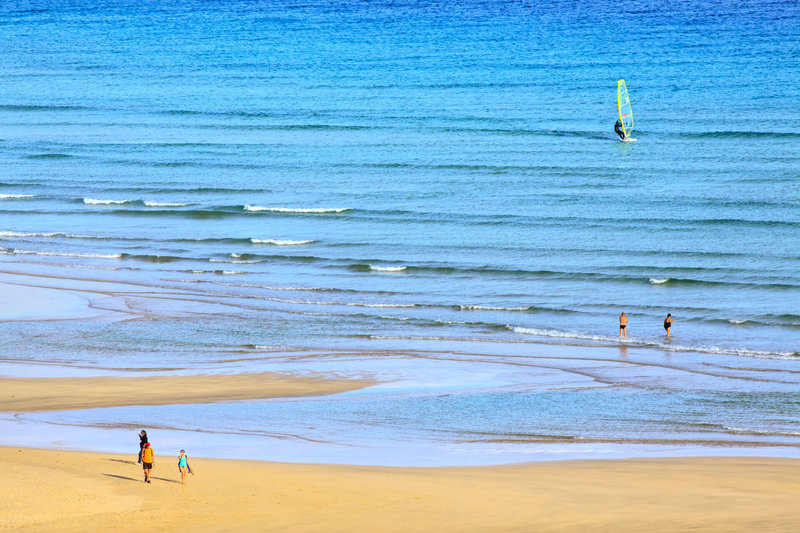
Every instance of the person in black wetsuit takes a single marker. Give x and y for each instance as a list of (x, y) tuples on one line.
[(668, 324), (142, 442), (618, 130)]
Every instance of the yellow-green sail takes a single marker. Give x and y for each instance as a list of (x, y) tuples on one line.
[(624, 108)]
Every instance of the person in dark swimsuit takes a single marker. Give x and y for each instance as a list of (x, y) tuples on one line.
[(142, 442), (668, 324), (618, 130), (623, 325)]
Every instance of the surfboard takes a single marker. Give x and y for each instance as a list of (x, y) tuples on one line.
[(624, 109)]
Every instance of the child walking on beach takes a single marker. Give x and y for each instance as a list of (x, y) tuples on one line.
[(148, 459), (183, 466)]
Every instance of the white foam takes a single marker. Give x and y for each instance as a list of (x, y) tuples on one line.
[(379, 306), (236, 261), (761, 431), (92, 201), (14, 196), (658, 281), (346, 304), (758, 354), (560, 334), (222, 272), (278, 242), (164, 204), (307, 210), (387, 269), (53, 234), (732, 321), (268, 287), (25, 234), (489, 308), (65, 254), (744, 352)]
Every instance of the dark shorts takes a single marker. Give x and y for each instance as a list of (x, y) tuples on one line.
[(622, 326), (147, 466)]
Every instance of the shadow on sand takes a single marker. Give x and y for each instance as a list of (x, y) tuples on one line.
[(125, 477), (141, 479), (122, 461)]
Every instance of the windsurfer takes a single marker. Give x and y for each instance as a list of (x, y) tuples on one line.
[(619, 131)]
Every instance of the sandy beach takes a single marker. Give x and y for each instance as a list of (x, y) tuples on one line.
[(53, 394), (47, 490)]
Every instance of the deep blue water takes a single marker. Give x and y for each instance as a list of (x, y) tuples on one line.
[(335, 172)]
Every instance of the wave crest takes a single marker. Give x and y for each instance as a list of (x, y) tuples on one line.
[(490, 308), (279, 242), (93, 201), (387, 269), (297, 210), (164, 204), (63, 254)]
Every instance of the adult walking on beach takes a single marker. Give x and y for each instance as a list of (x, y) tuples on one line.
[(183, 466), (148, 460), (142, 441), (623, 324), (668, 324)]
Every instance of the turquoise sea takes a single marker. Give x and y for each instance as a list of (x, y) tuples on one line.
[(428, 194)]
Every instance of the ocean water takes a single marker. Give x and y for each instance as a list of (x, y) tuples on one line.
[(258, 177)]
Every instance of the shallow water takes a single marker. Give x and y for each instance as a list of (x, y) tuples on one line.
[(354, 175)]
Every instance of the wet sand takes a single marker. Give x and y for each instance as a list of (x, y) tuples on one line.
[(47, 490), (55, 394)]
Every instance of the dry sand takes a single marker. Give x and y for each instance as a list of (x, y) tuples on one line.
[(46, 490), (53, 394)]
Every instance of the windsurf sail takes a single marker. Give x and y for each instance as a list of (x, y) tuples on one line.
[(624, 108)]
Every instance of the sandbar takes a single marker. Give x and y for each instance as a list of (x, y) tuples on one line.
[(56, 394), (48, 490)]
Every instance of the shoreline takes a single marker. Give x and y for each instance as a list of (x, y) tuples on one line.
[(99, 491), (96, 298), (259, 399)]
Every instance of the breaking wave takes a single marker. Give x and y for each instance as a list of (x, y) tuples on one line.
[(387, 269), (62, 254), (93, 201), (298, 210), (278, 242), (164, 204)]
